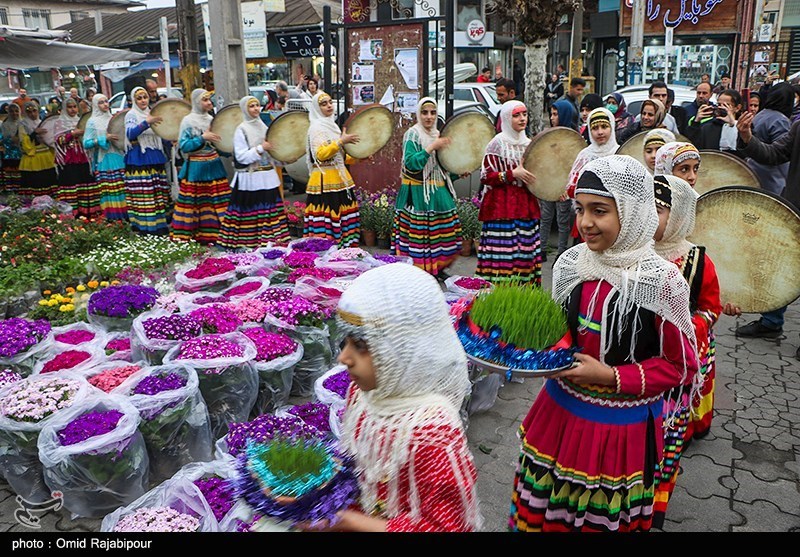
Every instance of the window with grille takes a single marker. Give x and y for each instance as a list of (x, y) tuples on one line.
[(403, 9), (4, 16), (36, 18), (77, 16)]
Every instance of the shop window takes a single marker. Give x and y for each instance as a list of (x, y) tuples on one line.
[(36, 19), (403, 9), (466, 11), (77, 16), (4, 16)]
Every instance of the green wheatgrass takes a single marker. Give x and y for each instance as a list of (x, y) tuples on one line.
[(527, 316), (290, 459)]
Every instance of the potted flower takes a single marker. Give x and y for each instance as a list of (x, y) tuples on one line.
[(383, 203), (114, 308), (470, 225), (295, 213), (277, 355)]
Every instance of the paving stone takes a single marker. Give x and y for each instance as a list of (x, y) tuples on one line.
[(495, 515), (781, 492), (719, 450), (729, 482), (765, 516), (765, 461), (703, 485), (689, 514)]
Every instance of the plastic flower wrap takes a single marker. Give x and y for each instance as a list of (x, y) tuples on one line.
[(75, 336), (22, 341), (266, 427), (111, 375), (115, 307), (245, 287), (78, 359), (212, 275), (218, 493), (331, 388), (212, 267), (89, 425), (275, 294), (322, 273), (216, 319), (516, 327), (154, 333), (158, 519), (298, 311), (277, 355), (295, 479), (118, 346)]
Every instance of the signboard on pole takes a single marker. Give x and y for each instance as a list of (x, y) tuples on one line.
[(277, 6), (254, 30)]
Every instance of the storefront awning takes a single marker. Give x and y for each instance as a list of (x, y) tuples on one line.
[(20, 53)]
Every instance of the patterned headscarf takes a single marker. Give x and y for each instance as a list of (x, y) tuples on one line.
[(678, 196), (672, 154), (198, 120)]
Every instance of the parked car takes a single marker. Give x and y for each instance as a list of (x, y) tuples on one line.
[(482, 93), (635, 94), (119, 101)]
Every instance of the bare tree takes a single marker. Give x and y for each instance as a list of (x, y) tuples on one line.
[(535, 21)]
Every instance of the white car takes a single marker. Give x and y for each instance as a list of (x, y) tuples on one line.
[(465, 94), (635, 94), (119, 101)]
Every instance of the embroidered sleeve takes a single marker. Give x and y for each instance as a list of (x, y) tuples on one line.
[(327, 151), (709, 305), (492, 177), (189, 142)]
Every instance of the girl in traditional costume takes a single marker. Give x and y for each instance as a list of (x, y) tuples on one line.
[(426, 226), (12, 131), (107, 160), (37, 166), (204, 191), (676, 203), (678, 159), (256, 213), (76, 183), (653, 141), (147, 191), (402, 424), (509, 247), (593, 438), (331, 207)]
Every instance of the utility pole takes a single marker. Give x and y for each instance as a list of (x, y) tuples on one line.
[(230, 68), (636, 48), (449, 55), (327, 50), (575, 54), (189, 45)]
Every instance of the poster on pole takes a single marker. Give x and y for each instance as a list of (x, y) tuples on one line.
[(254, 30), (206, 29), (407, 102), (363, 94), (407, 61), (363, 73), (370, 49), (274, 6)]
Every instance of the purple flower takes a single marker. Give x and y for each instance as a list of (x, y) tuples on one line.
[(299, 259), (338, 383), (218, 494), (154, 384), (89, 425), (472, 283), (216, 319), (243, 259), (125, 300), (211, 267), (157, 519), (298, 311), (211, 299), (209, 347), (385, 257), (18, 335), (243, 289), (270, 345), (75, 336), (273, 254), (274, 294), (172, 327), (323, 273), (313, 244), (265, 427), (8, 376), (315, 414)]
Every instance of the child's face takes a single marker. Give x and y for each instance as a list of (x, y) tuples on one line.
[(597, 219), (687, 170), (355, 355), (663, 218), (650, 157), (601, 133)]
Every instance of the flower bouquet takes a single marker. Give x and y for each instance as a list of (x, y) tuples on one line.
[(248, 287), (94, 454), (114, 308), (272, 253), (264, 428), (25, 407), (174, 506), (7, 377), (174, 419), (191, 302), (228, 380), (118, 346), (216, 319), (517, 330), (212, 275), (331, 387), (77, 359), (277, 355), (316, 414), (290, 262), (78, 334), (388, 258), (246, 263), (109, 376), (305, 322), (466, 286), (22, 341), (155, 332), (312, 244), (291, 479), (251, 311), (348, 261), (295, 216)]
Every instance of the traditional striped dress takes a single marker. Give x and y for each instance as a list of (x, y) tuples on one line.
[(426, 226), (11, 131), (108, 163), (331, 206), (147, 192), (589, 455), (76, 184), (256, 213), (204, 190), (37, 167)]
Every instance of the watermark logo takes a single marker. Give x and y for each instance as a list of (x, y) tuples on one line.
[(27, 512)]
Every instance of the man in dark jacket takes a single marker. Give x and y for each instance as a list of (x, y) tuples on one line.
[(784, 149), (678, 112)]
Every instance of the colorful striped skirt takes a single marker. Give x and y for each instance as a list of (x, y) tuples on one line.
[(510, 250), (334, 216), (202, 200), (675, 443), (77, 186), (430, 235), (253, 219), (112, 193), (585, 466), (11, 177), (38, 182), (147, 194), (703, 402)]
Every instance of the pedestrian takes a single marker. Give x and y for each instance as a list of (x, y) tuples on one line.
[(769, 124), (658, 91), (678, 159), (152, 91), (256, 214), (577, 85), (485, 76), (37, 166), (692, 404), (498, 74), (593, 436), (331, 206), (724, 83), (702, 96), (563, 114), (401, 420), (651, 116), (76, 183), (653, 141), (22, 98), (147, 192), (714, 127), (204, 191), (106, 159), (426, 225), (755, 102), (555, 89), (677, 112), (12, 131), (588, 103), (616, 105), (509, 246)]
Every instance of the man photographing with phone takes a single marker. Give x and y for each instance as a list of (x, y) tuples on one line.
[(714, 127)]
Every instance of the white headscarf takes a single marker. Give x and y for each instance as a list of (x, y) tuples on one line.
[(66, 122), (11, 126), (594, 151), (323, 129), (673, 153), (198, 120), (682, 208), (631, 266), (135, 116), (255, 130), (421, 381), (508, 144), (432, 173), (98, 124), (29, 124)]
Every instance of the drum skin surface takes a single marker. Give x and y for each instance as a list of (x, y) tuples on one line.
[(288, 134), (470, 133), (224, 124), (718, 170), (117, 126), (172, 111), (753, 238), (83, 119), (634, 147), (550, 156), (49, 126), (374, 125)]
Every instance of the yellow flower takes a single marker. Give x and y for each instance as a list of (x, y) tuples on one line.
[(64, 308), (92, 284), (70, 290), (114, 282), (70, 307), (42, 302), (51, 303), (81, 288), (103, 283)]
